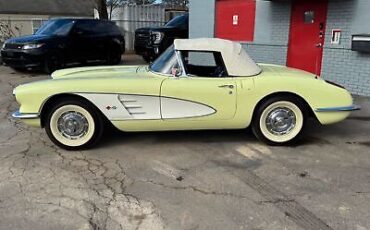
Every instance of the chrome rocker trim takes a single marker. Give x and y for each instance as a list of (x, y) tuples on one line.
[(339, 109), (19, 115)]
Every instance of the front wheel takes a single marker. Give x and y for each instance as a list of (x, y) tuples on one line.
[(280, 120), (52, 63), (74, 125), (147, 58), (115, 57)]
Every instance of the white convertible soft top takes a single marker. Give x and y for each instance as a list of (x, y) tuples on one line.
[(237, 61)]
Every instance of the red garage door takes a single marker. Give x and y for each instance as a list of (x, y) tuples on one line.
[(235, 19)]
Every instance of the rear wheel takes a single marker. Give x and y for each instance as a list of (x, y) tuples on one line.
[(280, 120), (74, 125)]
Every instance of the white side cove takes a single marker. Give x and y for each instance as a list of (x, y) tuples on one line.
[(126, 107), (137, 107), (174, 108), (141, 107)]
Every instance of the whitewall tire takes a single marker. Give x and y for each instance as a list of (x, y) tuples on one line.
[(74, 125), (280, 120)]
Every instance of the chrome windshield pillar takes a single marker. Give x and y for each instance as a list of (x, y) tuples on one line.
[(181, 63)]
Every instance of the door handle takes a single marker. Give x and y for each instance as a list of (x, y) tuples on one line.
[(319, 45), (226, 86)]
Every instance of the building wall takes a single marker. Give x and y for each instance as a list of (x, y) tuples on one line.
[(271, 32), (202, 18), (12, 25), (346, 67), (340, 64)]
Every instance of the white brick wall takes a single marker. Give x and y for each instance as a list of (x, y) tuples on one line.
[(277, 33), (274, 54)]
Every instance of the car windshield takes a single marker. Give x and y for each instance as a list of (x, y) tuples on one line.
[(165, 62), (179, 21), (56, 27)]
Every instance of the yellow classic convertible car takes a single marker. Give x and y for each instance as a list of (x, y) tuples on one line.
[(196, 84)]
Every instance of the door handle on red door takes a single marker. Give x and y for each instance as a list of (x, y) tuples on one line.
[(319, 45), (226, 86)]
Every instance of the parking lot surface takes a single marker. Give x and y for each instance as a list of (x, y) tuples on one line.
[(183, 180)]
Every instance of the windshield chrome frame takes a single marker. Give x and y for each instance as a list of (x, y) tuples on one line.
[(181, 63)]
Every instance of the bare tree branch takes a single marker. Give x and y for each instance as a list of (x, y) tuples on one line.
[(113, 4), (176, 3)]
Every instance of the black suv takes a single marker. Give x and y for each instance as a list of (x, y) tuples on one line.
[(61, 42), (150, 42)]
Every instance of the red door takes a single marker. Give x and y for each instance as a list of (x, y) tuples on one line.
[(235, 19), (307, 34)]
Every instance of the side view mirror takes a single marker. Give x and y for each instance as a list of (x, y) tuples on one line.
[(175, 72)]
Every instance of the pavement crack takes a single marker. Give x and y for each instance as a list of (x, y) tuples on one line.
[(275, 201), (194, 189)]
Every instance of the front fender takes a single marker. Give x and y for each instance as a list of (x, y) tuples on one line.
[(317, 93), (32, 96)]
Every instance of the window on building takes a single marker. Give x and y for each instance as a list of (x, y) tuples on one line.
[(36, 24), (309, 17), (204, 64)]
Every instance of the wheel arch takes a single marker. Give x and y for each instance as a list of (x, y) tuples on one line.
[(115, 45), (286, 94), (49, 102)]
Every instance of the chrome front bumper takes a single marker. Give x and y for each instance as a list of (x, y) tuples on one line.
[(19, 115), (339, 109)]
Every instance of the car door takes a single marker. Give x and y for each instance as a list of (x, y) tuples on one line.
[(205, 93), (82, 47), (101, 39)]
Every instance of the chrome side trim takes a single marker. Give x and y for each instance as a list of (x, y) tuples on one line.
[(19, 115), (339, 109)]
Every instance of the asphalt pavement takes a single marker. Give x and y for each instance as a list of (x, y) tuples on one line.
[(183, 180)]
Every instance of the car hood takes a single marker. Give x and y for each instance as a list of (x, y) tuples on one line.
[(99, 72), (29, 39)]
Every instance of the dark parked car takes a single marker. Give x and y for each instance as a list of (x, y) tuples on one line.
[(151, 42), (61, 42)]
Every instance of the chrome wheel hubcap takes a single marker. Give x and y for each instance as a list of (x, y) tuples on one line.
[(281, 121), (73, 125)]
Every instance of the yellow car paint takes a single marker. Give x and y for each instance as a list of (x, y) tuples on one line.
[(234, 98)]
